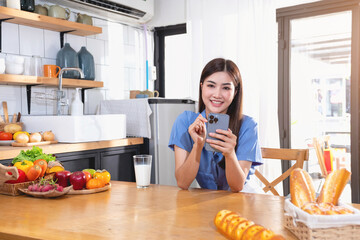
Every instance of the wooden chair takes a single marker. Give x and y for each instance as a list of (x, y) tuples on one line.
[(299, 155)]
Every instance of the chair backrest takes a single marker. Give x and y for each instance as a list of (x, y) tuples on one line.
[(298, 155)]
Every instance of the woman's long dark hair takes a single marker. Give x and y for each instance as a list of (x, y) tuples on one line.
[(235, 108)]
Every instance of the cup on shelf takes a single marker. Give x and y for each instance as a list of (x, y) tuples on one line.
[(36, 66), (13, 4), (142, 165), (51, 71)]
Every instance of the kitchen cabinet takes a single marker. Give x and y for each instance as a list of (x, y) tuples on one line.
[(117, 160)]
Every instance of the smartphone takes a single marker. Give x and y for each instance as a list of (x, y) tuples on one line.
[(215, 121)]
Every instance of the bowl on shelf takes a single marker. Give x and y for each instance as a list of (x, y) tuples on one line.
[(14, 64)]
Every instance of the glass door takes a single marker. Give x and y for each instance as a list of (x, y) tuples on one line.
[(319, 87), (320, 70)]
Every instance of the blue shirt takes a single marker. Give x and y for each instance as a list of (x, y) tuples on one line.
[(210, 174)]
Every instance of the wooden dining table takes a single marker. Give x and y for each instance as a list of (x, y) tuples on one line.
[(126, 212)]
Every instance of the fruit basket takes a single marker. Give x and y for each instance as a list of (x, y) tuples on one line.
[(321, 227), (13, 189)]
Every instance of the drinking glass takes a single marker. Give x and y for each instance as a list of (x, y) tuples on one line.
[(142, 165)]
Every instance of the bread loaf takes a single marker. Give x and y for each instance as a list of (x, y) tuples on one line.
[(314, 208), (301, 187), (334, 184), (233, 226)]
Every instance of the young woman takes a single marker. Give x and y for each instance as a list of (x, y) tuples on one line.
[(220, 92)]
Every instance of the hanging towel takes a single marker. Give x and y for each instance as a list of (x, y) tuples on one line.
[(137, 113)]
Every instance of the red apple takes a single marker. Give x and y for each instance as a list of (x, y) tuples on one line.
[(78, 180), (63, 178)]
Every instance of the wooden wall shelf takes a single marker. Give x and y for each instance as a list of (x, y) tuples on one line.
[(46, 22), (11, 79)]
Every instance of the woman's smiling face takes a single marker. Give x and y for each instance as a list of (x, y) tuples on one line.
[(218, 92)]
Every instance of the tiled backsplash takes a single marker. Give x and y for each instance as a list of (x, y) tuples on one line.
[(119, 55)]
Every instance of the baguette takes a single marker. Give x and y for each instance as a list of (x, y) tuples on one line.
[(233, 226), (334, 184), (301, 187)]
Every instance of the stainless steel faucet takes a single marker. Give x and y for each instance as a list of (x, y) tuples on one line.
[(60, 93)]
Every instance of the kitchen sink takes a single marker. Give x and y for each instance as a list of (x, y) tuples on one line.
[(72, 129)]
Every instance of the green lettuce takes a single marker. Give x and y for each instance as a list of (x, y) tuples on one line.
[(32, 155)]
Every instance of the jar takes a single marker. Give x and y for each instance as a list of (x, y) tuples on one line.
[(67, 58), (86, 63), (28, 5)]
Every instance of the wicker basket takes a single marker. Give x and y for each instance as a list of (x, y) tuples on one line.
[(2, 125), (13, 189), (302, 232)]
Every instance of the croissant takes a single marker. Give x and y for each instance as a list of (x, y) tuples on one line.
[(301, 187), (233, 226)]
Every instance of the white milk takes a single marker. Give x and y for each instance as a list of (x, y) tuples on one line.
[(142, 174)]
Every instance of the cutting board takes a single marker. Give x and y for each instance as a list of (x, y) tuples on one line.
[(15, 144)]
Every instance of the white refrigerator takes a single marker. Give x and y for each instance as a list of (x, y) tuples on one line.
[(164, 114)]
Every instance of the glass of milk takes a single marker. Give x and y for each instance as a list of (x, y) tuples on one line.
[(142, 165)]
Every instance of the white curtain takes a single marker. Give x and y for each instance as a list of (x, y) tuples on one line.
[(244, 31)]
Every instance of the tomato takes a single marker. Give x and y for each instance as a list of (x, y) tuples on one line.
[(5, 136), (87, 176)]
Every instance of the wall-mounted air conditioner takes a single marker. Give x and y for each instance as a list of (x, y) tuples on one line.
[(130, 11)]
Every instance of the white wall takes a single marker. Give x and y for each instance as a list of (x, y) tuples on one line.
[(118, 53), (168, 12)]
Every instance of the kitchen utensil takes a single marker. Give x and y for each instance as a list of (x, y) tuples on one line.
[(320, 156), (5, 109), (86, 63), (41, 10), (14, 118), (18, 117), (85, 19), (16, 144)]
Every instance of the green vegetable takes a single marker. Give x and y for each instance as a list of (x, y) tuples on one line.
[(32, 155)]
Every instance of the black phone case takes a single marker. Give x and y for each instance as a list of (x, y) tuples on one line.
[(215, 121)]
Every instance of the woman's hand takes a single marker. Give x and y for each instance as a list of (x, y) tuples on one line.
[(197, 130), (228, 143)]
